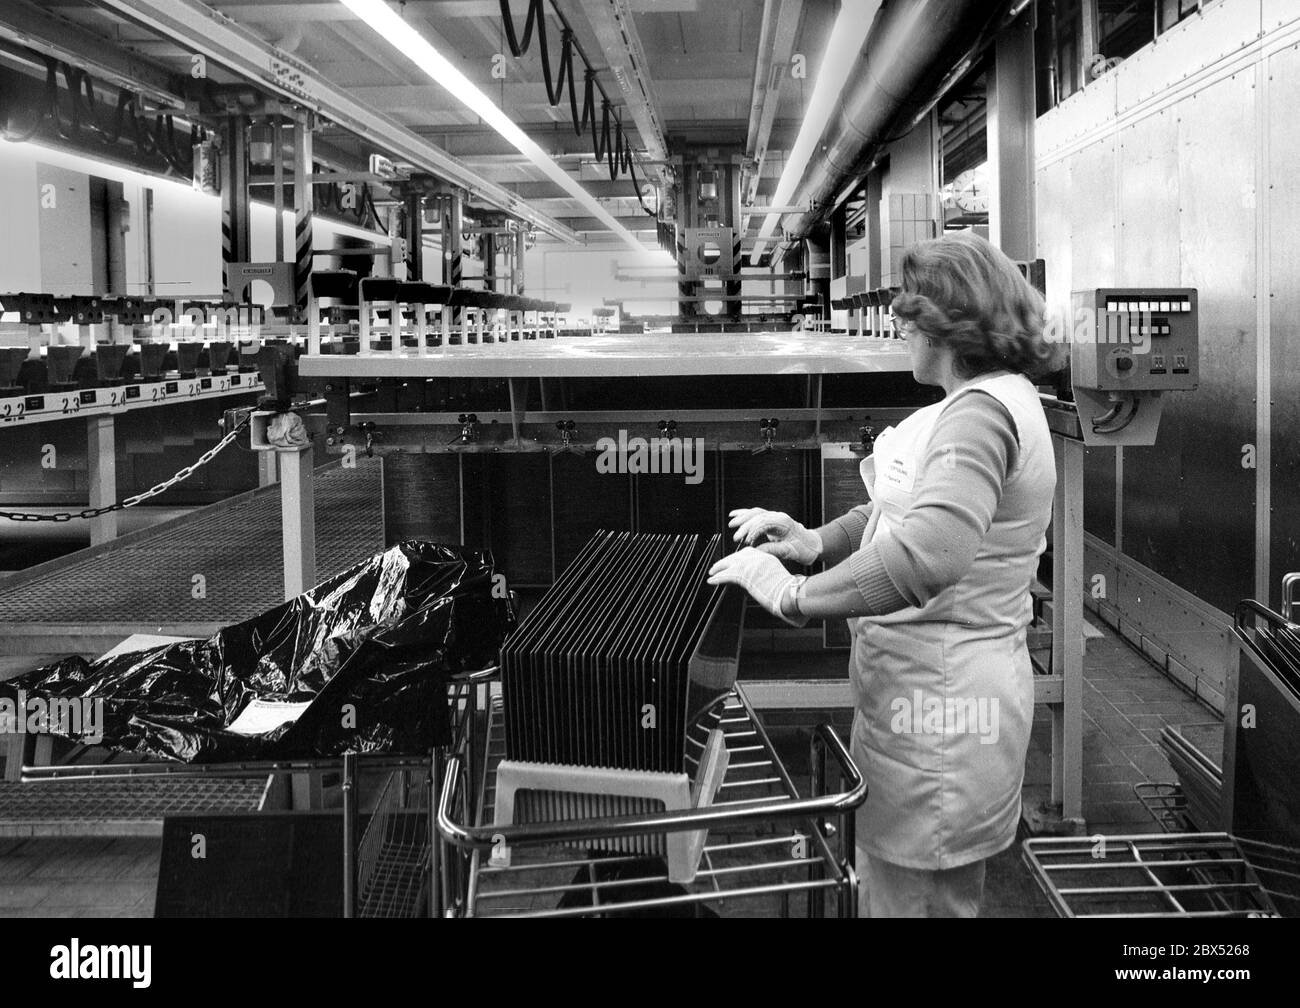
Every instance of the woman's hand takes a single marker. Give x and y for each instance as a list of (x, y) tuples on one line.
[(760, 574), (777, 533)]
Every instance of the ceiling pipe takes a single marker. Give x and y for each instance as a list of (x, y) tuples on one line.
[(914, 52)]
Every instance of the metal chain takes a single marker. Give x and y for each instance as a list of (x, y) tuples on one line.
[(154, 491)]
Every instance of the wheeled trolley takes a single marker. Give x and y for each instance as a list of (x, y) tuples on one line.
[(769, 851)]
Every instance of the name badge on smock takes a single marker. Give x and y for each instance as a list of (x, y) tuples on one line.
[(898, 473)]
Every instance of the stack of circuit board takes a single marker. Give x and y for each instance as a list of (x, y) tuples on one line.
[(625, 661)]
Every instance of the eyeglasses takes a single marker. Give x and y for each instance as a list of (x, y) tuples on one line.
[(900, 325)]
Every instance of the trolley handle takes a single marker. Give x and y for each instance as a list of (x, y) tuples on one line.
[(475, 677), (671, 821), (1250, 613)]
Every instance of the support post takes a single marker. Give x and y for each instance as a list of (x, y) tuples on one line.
[(304, 210), (277, 141), (236, 208), (521, 246), (298, 519), (267, 468), (489, 261), (453, 254), (101, 464), (415, 235), (1011, 118), (1067, 628)]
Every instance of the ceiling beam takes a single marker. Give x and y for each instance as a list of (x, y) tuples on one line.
[(643, 224), (776, 48), (476, 141), (329, 10), (515, 96), (207, 31), (615, 31)]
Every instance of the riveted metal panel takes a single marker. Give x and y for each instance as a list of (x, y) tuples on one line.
[(1091, 199), (1284, 319), (1081, 113), (1275, 13), (1220, 30), (1177, 624), (1148, 203), (1054, 238), (1188, 502)]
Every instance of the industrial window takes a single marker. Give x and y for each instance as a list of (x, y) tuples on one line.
[(1171, 12), (1056, 42), (1124, 27), (1076, 41)]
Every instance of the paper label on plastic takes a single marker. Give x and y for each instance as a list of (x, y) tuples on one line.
[(262, 716)]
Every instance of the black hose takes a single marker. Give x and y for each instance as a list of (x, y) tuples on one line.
[(22, 136), (615, 150), (85, 110)]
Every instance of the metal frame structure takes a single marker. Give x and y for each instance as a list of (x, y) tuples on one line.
[(1148, 875), (204, 30), (734, 870)]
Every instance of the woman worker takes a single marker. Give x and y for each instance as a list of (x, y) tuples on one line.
[(934, 574)]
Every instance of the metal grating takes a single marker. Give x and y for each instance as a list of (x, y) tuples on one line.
[(235, 547), (94, 808)]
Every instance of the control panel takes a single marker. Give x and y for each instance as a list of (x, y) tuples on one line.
[(1135, 339)]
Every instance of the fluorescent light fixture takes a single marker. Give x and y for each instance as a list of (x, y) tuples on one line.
[(852, 26), (406, 40)]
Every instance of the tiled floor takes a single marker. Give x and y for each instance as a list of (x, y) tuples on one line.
[(1126, 702), (108, 877)]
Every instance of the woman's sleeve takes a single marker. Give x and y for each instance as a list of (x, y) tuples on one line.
[(956, 493), (843, 535)]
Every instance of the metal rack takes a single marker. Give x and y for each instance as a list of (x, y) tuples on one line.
[(1157, 875), (1182, 872), (752, 864)]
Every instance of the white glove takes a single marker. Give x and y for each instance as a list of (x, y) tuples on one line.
[(762, 575), (786, 538)]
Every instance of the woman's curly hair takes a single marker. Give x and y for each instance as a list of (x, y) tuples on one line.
[(965, 293)]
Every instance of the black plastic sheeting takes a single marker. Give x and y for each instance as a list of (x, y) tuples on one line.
[(371, 650)]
